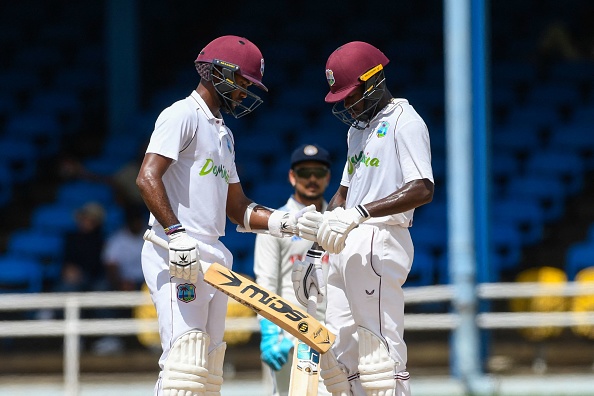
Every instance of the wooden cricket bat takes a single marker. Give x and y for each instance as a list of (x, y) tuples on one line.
[(305, 369), (273, 307)]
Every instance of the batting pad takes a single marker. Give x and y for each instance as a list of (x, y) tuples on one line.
[(185, 372), (215, 370), (334, 375), (376, 367)]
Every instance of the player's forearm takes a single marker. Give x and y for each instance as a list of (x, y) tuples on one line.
[(155, 197), (339, 198), (410, 196)]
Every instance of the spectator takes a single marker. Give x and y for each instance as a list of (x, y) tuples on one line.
[(121, 256), (82, 269)]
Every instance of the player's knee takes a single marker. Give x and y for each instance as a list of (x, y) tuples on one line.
[(334, 375), (216, 358), (377, 370), (185, 370)]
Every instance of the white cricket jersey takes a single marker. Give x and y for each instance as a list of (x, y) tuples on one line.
[(202, 149), (392, 151)]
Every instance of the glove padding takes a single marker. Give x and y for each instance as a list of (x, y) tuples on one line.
[(308, 277), (184, 256), (274, 348), (281, 224), (336, 226), (309, 225)]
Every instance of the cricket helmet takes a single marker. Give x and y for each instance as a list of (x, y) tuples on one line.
[(350, 66), (226, 56)]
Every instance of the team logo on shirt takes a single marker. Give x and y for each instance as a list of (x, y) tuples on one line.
[(330, 77), (210, 167), (382, 129), (186, 292), (362, 158)]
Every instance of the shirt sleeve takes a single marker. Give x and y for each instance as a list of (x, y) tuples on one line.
[(267, 262), (173, 130), (414, 151)]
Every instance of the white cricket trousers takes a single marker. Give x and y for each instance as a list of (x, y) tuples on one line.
[(182, 306), (365, 289)]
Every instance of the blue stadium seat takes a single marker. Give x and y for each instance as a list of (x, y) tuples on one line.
[(77, 79), (557, 93), (5, 185), (504, 166), (422, 270), (38, 57), (19, 158), (579, 256), (515, 139), (584, 115), (525, 215), (562, 165), (77, 193), (571, 72), (54, 218), (512, 72), (45, 248), (577, 139), (536, 115), (506, 243), (548, 192), (430, 237), (20, 275), (44, 130), (15, 81)]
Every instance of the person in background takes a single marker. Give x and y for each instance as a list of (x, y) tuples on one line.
[(123, 268), (82, 268), (274, 257)]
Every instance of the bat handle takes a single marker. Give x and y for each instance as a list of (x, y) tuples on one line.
[(312, 301), (149, 235)]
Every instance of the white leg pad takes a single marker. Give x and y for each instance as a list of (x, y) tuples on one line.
[(215, 370), (334, 375), (376, 367), (185, 372)]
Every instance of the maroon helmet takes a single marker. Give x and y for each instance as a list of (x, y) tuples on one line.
[(221, 59), (350, 66)]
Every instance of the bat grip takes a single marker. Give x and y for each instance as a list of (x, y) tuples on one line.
[(149, 235), (312, 301)]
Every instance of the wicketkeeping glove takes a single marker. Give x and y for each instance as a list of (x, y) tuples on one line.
[(308, 273), (183, 256), (336, 226), (274, 348)]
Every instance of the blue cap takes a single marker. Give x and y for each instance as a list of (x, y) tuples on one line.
[(310, 152)]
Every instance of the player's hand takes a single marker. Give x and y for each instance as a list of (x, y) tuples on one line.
[(309, 225), (183, 256), (282, 223), (337, 225), (274, 349), (308, 277)]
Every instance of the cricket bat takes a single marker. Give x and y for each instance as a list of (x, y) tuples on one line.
[(273, 307), (305, 369)]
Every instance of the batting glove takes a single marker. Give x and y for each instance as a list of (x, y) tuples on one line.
[(309, 225), (282, 223), (183, 256), (337, 225), (274, 348), (308, 273)]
